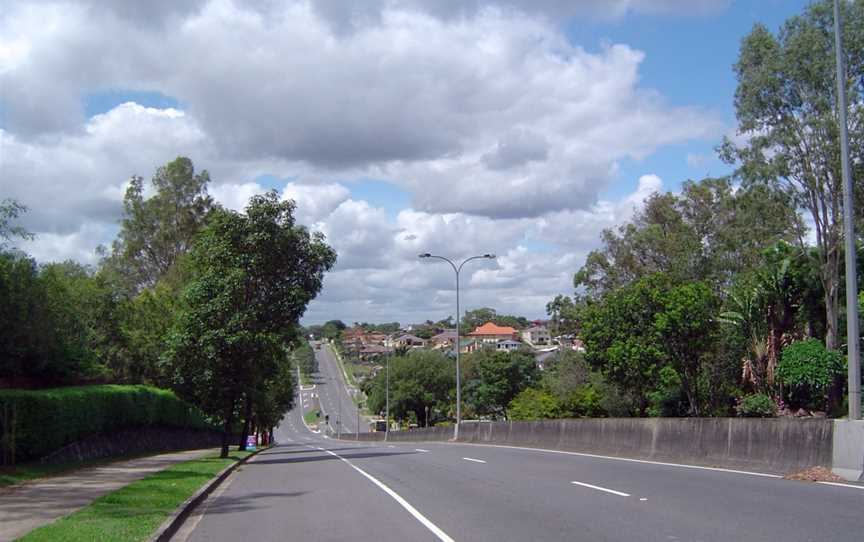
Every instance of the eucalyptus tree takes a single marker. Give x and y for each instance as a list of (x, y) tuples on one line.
[(786, 104)]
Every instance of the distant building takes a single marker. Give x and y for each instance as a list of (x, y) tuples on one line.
[(508, 346), (537, 336), (409, 341), (491, 334), (445, 339)]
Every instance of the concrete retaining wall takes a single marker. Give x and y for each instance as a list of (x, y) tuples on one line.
[(848, 449), (776, 445)]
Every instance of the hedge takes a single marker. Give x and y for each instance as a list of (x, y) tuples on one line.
[(34, 423)]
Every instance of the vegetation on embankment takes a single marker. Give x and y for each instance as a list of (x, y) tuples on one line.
[(34, 423)]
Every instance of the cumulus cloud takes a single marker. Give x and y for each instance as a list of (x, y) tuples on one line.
[(502, 130), (446, 108)]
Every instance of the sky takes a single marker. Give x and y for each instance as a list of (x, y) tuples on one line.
[(517, 127)]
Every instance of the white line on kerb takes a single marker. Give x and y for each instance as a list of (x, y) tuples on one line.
[(627, 459), (398, 498), (474, 460), (598, 488)]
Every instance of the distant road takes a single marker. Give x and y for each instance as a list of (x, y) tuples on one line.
[(313, 488), (333, 392)]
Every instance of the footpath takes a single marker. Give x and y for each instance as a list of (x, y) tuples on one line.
[(32, 504)]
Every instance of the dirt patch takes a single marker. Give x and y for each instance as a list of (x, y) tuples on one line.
[(814, 474)]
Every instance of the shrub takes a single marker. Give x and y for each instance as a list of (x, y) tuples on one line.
[(35, 423), (534, 404), (810, 369), (756, 405)]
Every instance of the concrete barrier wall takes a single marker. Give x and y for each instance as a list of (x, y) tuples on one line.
[(776, 445)]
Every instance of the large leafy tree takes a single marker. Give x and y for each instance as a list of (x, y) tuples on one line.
[(253, 275), (635, 331), (498, 378), (709, 232), (419, 380), (786, 104), (156, 231)]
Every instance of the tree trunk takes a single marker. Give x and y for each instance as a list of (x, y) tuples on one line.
[(226, 430), (247, 419), (832, 310), (270, 437)]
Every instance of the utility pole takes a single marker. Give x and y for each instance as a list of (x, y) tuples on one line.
[(387, 402), (852, 333)]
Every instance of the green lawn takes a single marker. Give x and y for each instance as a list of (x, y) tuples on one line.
[(312, 417), (134, 512)]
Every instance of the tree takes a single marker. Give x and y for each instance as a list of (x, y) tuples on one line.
[(535, 404), (419, 380), (633, 332), (710, 233), (155, 232), (499, 377), (786, 108), (10, 210), (253, 275)]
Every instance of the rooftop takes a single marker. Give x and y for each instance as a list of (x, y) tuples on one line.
[(490, 328)]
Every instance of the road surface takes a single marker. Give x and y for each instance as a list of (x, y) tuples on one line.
[(333, 395), (313, 488)]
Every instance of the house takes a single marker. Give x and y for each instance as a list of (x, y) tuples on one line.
[(372, 351), (508, 345), (491, 334), (466, 346), (445, 339), (409, 341), (537, 336)]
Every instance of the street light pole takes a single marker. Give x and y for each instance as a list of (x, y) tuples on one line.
[(852, 337), (457, 269), (387, 401)]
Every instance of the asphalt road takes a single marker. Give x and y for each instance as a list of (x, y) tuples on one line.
[(332, 393), (313, 488)]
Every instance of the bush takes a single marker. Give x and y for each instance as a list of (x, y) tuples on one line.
[(756, 405), (534, 404), (810, 369), (35, 423)]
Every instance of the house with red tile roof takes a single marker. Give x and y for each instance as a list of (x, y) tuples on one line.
[(489, 333)]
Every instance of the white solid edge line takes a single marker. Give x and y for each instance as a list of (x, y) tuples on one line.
[(420, 450), (398, 498), (474, 460), (598, 488), (838, 484), (630, 460)]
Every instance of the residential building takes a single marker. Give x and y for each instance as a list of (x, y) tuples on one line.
[(445, 339), (508, 345), (537, 336), (490, 334), (410, 341)]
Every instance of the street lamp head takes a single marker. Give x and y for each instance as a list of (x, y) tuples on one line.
[(489, 256), (424, 255)]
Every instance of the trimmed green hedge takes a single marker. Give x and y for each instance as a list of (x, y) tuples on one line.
[(45, 420)]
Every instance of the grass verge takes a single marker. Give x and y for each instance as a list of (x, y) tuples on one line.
[(134, 512), (312, 417)]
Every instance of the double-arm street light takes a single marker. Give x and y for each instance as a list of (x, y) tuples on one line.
[(457, 269)]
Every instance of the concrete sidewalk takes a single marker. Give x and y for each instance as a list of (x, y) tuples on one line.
[(29, 505)]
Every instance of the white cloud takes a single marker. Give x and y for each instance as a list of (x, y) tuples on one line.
[(502, 130)]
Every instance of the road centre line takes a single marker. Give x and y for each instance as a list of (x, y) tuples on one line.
[(598, 488), (444, 537), (627, 459), (474, 460)]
